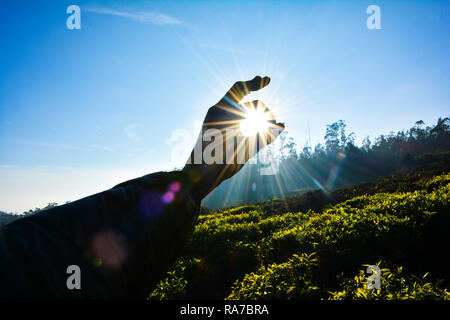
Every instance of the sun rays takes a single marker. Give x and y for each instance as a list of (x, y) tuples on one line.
[(256, 121), (287, 97)]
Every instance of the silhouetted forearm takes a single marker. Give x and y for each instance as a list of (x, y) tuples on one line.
[(123, 239)]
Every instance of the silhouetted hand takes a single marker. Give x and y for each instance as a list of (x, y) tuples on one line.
[(222, 149)]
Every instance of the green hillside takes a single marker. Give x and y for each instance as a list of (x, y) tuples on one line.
[(273, 251)]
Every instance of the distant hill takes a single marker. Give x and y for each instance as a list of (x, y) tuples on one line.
[(6, 218)]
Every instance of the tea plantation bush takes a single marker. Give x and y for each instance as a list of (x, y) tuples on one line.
[(251, 252)]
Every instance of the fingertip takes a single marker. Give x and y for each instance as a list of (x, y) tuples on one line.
[(242, 88), (262, 82), (258, 82)]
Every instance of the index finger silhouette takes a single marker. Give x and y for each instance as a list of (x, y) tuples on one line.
[(242, 88)]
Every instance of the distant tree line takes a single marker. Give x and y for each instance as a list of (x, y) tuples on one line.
[(336, 163), (35, 210), (6, 217)]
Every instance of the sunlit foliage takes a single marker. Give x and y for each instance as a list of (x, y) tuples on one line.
[(252, 252)]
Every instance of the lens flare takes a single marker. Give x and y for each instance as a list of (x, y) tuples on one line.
[(255, 122)]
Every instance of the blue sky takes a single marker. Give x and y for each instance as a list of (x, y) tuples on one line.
[(82, 110)]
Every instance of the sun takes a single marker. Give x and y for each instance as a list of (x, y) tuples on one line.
[(255, 122)]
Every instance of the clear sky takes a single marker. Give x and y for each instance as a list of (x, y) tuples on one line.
[(82, 110)]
